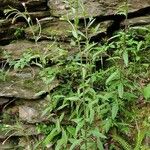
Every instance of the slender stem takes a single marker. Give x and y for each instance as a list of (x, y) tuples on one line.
[(83, 79)]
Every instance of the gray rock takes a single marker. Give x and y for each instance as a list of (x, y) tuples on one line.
[(50, 49), (61, 30), (93, 7), (39, 14), (3, 101), (27, 113), (31, 111), (16, 49), (52, 30), (32, 5), (24, 85), (139, 21)]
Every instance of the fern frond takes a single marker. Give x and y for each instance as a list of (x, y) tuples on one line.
[(125, 145)]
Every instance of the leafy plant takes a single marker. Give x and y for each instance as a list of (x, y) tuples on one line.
[(93, 99), (146, 91), (18, 14), (2, 75), (24, 61)]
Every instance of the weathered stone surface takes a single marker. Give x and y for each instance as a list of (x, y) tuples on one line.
[(11, 31), (61, 31), (8, 30), (53, 30), (32, 5), (59, 8), (139, 21), (94, 7), (24, 85), (31, 111), (48, 48), (39, 14), (16, 49), (27, 113), (3, 101)]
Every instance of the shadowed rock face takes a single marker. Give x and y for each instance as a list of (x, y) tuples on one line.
[(32, 5)]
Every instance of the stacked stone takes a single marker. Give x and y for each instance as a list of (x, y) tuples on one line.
[(20, 89)]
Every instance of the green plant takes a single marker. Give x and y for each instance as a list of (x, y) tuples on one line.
[(18, 14), (3, 70), (89, 104), (2, 75), (126, 146), (93, 106), (24, 61), (19, 32), (17, 129)]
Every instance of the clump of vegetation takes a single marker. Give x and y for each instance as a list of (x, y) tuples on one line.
[(26, 16), (97, 108)]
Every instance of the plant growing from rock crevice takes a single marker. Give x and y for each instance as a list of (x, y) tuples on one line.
[(25, 15)]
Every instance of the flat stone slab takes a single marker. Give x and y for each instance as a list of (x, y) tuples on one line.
[(93, 7), (52, 30), (32, 5), (28, 111), (16, 49), (139, 21), (50, 49), (61, 30), (24, 84)]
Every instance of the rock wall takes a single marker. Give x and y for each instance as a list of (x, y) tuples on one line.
[(23, 93)]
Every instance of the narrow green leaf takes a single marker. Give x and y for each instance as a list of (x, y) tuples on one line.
[(58, 126), (140, 137), (79, 126), (62, 142), (80, 33), (125, 58), (115, 109), (120, 90), (92, 114), (100, 145), (50, 137), (122, 142), (61, 117), (71, 130), (62, 106), (75, 143), (75, 34), (146, 91), (83, 73), (74, 98), (113, 76), (139, 45), (107, 124), (97, 133)]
